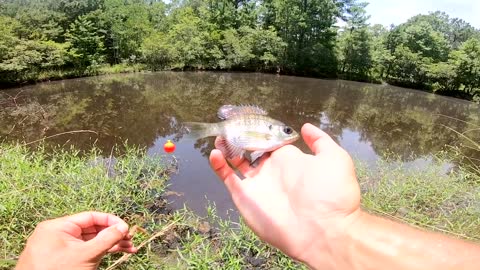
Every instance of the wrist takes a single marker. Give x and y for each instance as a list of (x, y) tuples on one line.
[(331, 251)]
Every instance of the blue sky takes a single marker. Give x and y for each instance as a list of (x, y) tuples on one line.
[(387, 12)]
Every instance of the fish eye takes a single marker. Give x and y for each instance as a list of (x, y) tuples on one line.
[(288, 130)]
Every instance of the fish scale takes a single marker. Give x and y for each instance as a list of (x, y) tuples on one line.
[(244, 128)]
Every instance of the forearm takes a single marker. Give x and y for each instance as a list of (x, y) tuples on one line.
[(375, 243)]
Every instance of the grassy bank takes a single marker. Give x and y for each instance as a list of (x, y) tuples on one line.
[(38, 186), (62, 74), (35, 186)]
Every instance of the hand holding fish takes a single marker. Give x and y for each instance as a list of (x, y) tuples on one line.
[(292, 196), (308, 206)]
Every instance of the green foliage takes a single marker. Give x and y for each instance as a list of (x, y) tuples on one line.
[(126, 24), (429, 52), (87, 44), (467, 63), (156, 52), (41, 23), (193, 42), (443, 75), (190, 37), (20, 58), (355, 43), (8, 39), (307, 29), (248, 48), (381, 57), (455, 30), (423, 39)]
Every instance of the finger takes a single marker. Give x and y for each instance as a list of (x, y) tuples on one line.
[(317, 140), (89, 230), (224, 172), (107, 239), (93, 229), (116, 249), (124, 244), (92, 219), (90, 236)]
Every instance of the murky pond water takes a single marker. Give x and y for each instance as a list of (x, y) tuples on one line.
[(370, 121)]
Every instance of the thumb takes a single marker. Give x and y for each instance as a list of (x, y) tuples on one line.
[(106, 239), (225, 173), (317, 140)]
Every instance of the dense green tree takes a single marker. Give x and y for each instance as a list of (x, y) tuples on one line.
[(157, 12), (415, 46), (249, 48), (75, 8), (156, 52), (354, 44), (20, 57), (307, 29), (87, 44), (126, 25), (190, 37), (467, 63), (8, 39), (407, 67), (455, 30), (443, 76), (41, 23), (381, 57)]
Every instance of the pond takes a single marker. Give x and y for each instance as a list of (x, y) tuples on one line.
[(145, 109)]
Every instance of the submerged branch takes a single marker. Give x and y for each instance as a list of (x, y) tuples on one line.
[(60, 134)]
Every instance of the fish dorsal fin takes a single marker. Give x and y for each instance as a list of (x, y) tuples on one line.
[(228, 111)]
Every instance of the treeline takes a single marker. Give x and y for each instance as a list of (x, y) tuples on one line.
[(47, 38)]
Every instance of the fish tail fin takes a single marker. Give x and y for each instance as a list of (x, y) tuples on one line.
[(201, 130)]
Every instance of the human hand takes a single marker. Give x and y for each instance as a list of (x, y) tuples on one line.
[(75, 242), (297, 202)]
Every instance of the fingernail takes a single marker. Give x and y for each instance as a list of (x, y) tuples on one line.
[(122, 227)]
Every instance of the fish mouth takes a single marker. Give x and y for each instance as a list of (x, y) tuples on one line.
[(292, 139)]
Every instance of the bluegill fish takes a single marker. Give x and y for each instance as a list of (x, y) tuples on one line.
[(244, 130)]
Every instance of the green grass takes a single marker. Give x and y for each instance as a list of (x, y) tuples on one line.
[(61, 74), (35, 186), (425, 197)]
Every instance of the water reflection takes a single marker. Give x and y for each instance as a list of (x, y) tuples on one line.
[(146, 109)]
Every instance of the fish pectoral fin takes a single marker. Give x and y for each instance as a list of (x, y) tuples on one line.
[(229, 150), (255, 157), (228, 111)]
